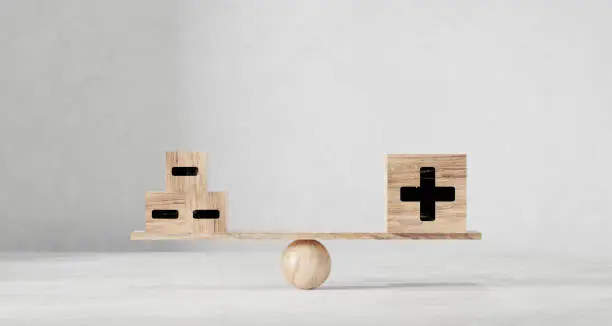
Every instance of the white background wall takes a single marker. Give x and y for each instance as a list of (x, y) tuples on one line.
[(296, 103)]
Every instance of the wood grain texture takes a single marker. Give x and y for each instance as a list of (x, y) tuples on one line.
[(470, 235), (195, 193), (403, 170), (167, 201), (306, 264), (194, 185), (213, 200)]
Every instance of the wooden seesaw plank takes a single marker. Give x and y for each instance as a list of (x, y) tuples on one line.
[(470, 235)]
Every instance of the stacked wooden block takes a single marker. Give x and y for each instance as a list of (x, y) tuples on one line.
[(186, 206)]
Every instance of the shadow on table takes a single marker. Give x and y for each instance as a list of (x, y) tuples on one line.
[(324, 287), (399, 285)]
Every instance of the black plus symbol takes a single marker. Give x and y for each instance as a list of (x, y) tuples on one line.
[(428, 194)]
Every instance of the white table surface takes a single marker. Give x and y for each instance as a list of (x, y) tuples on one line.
[(373, 287)]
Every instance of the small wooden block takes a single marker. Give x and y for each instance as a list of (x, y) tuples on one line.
[(414, 171), (213, 201), (161, 217), (186, 172)]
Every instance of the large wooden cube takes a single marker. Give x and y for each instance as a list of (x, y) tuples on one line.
[(426, 193)]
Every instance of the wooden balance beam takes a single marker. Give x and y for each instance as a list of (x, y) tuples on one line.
[(426, 200)]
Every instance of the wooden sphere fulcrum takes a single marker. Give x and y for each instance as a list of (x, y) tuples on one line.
[(306, 264)]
